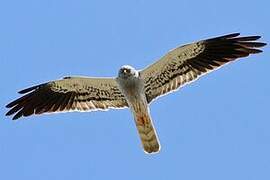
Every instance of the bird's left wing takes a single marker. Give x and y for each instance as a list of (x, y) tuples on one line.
[(186, 63), (68, 94)]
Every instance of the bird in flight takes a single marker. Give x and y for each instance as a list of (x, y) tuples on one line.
[(136, 89)]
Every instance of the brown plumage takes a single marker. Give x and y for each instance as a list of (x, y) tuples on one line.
[(136, 89)]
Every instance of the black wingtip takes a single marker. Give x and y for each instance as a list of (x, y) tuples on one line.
[(16, 117), (28, 89), (232, 35), (9, 105), (247, 38), (258, 44), (227, 36), (9, 113), (256, 51), (263, 44)]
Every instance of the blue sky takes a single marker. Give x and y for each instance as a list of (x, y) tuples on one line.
[(215, 128)]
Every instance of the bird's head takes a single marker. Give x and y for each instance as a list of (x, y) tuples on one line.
[(127, 71)]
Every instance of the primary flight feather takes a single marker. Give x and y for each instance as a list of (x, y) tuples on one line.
[(136, 89)]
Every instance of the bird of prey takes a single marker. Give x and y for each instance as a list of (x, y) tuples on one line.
[(136, 89)]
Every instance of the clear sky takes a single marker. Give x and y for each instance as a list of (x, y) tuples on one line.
[(216, 128)]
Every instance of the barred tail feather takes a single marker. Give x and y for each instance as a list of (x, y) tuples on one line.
[(147, 133)]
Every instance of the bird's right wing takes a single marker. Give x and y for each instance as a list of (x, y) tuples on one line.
[(68, 94)]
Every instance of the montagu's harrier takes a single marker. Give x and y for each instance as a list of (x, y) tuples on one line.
[(136, 89)]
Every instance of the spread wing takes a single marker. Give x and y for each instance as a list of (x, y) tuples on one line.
[(68, 94), (186, 63)]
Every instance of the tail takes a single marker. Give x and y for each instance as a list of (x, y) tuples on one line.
[(147, 133)]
